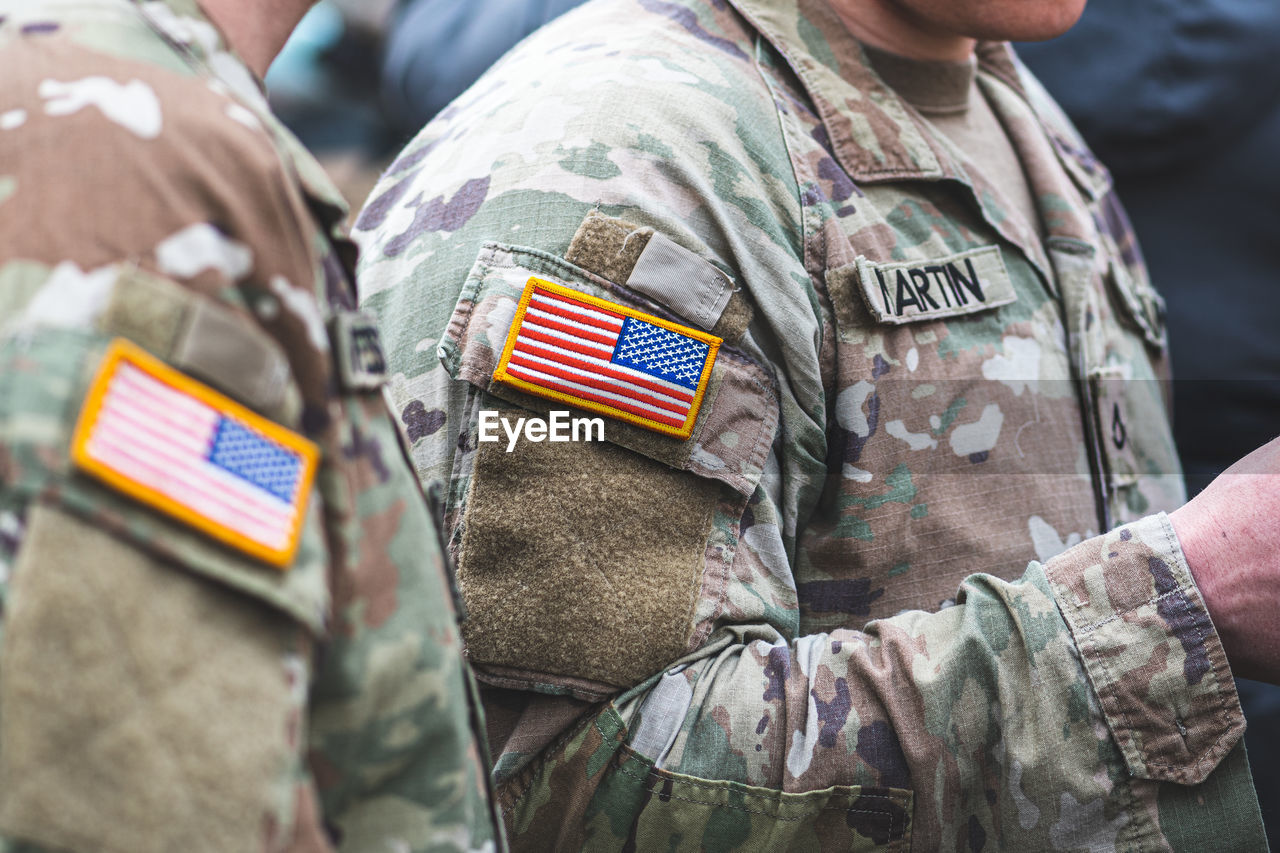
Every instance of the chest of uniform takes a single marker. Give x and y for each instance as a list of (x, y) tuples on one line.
[(966, 426)]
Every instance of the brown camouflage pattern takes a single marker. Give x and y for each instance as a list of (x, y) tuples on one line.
[(143, 182)]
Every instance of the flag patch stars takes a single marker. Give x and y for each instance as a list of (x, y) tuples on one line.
[(597, 355), (661, 353), (182, 448)]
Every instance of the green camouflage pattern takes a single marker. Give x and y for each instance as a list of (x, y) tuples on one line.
[(144, 179), (937, 575)]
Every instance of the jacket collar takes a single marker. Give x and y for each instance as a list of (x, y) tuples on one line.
[(875, 135)]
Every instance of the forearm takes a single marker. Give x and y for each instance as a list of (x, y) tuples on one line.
[(997, 693), (1228, 534)]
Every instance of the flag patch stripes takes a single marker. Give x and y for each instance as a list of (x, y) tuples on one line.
[(178, 446), (597, 355)]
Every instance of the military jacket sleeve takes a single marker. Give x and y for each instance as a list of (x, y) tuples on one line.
[(162, 685), (896, 576)]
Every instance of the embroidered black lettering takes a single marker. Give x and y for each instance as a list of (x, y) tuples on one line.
[(884, 290), (961, 299), (971, 283), (906, 295), (939, 273), (918, 289), (921, 282)]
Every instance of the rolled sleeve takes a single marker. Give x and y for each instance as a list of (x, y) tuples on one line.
[(1150, 650)]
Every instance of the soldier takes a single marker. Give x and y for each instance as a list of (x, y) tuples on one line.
[(869, 331), (226, 621)]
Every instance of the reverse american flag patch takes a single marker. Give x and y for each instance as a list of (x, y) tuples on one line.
[(177, 445), (597, 355)]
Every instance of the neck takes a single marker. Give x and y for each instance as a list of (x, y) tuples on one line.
[(886, 24), (256, 29)]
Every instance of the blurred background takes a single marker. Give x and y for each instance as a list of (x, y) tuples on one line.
[(325, 85), (360, 77)]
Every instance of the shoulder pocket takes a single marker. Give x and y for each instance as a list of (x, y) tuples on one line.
[(142, 661), (1143, 305), (1127, 277), (739, 413), (588, 565)]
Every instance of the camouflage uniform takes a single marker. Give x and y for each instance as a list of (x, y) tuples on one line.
[(915, 395), (158, 690)]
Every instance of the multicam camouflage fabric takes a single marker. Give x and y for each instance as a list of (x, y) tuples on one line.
[(674, 636), (159, 691)]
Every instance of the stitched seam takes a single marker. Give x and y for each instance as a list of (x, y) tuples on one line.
[(465, 315), (707, 310), (756, 457), (653, 789), (1222, 717), (715, 786), (523, 682), (554, 749), (1150, 602), (699, 631), (786, 120), (784, 129), (1111, 700), (1141, 829)]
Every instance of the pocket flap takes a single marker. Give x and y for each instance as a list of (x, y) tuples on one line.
[(45, 379), (730, 438)]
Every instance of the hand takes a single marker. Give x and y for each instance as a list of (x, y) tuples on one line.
[(1230, 534)]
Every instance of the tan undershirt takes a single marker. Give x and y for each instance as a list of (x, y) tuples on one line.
[(947, 94)]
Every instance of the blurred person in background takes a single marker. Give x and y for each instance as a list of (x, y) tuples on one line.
[(1181, 99), (435, 49), (324, 88)]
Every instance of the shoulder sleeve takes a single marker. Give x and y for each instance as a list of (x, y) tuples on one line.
[(112, 164), (123, 162)]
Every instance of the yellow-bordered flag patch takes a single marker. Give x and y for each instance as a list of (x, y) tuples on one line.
[(181, 447), (597, 355)]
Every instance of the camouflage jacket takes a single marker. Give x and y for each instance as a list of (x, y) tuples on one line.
[(920, 413), (161, 690)]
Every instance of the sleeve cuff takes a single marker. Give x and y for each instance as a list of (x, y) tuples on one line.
[(1150, 650)]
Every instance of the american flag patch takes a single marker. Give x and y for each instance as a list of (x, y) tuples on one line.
[(607, 358), (177, 445)]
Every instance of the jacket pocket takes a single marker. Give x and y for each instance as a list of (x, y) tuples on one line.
[(152, 681), (589, 565)]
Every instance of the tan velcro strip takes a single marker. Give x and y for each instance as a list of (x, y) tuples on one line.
[(142, 710), (581, 560)]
